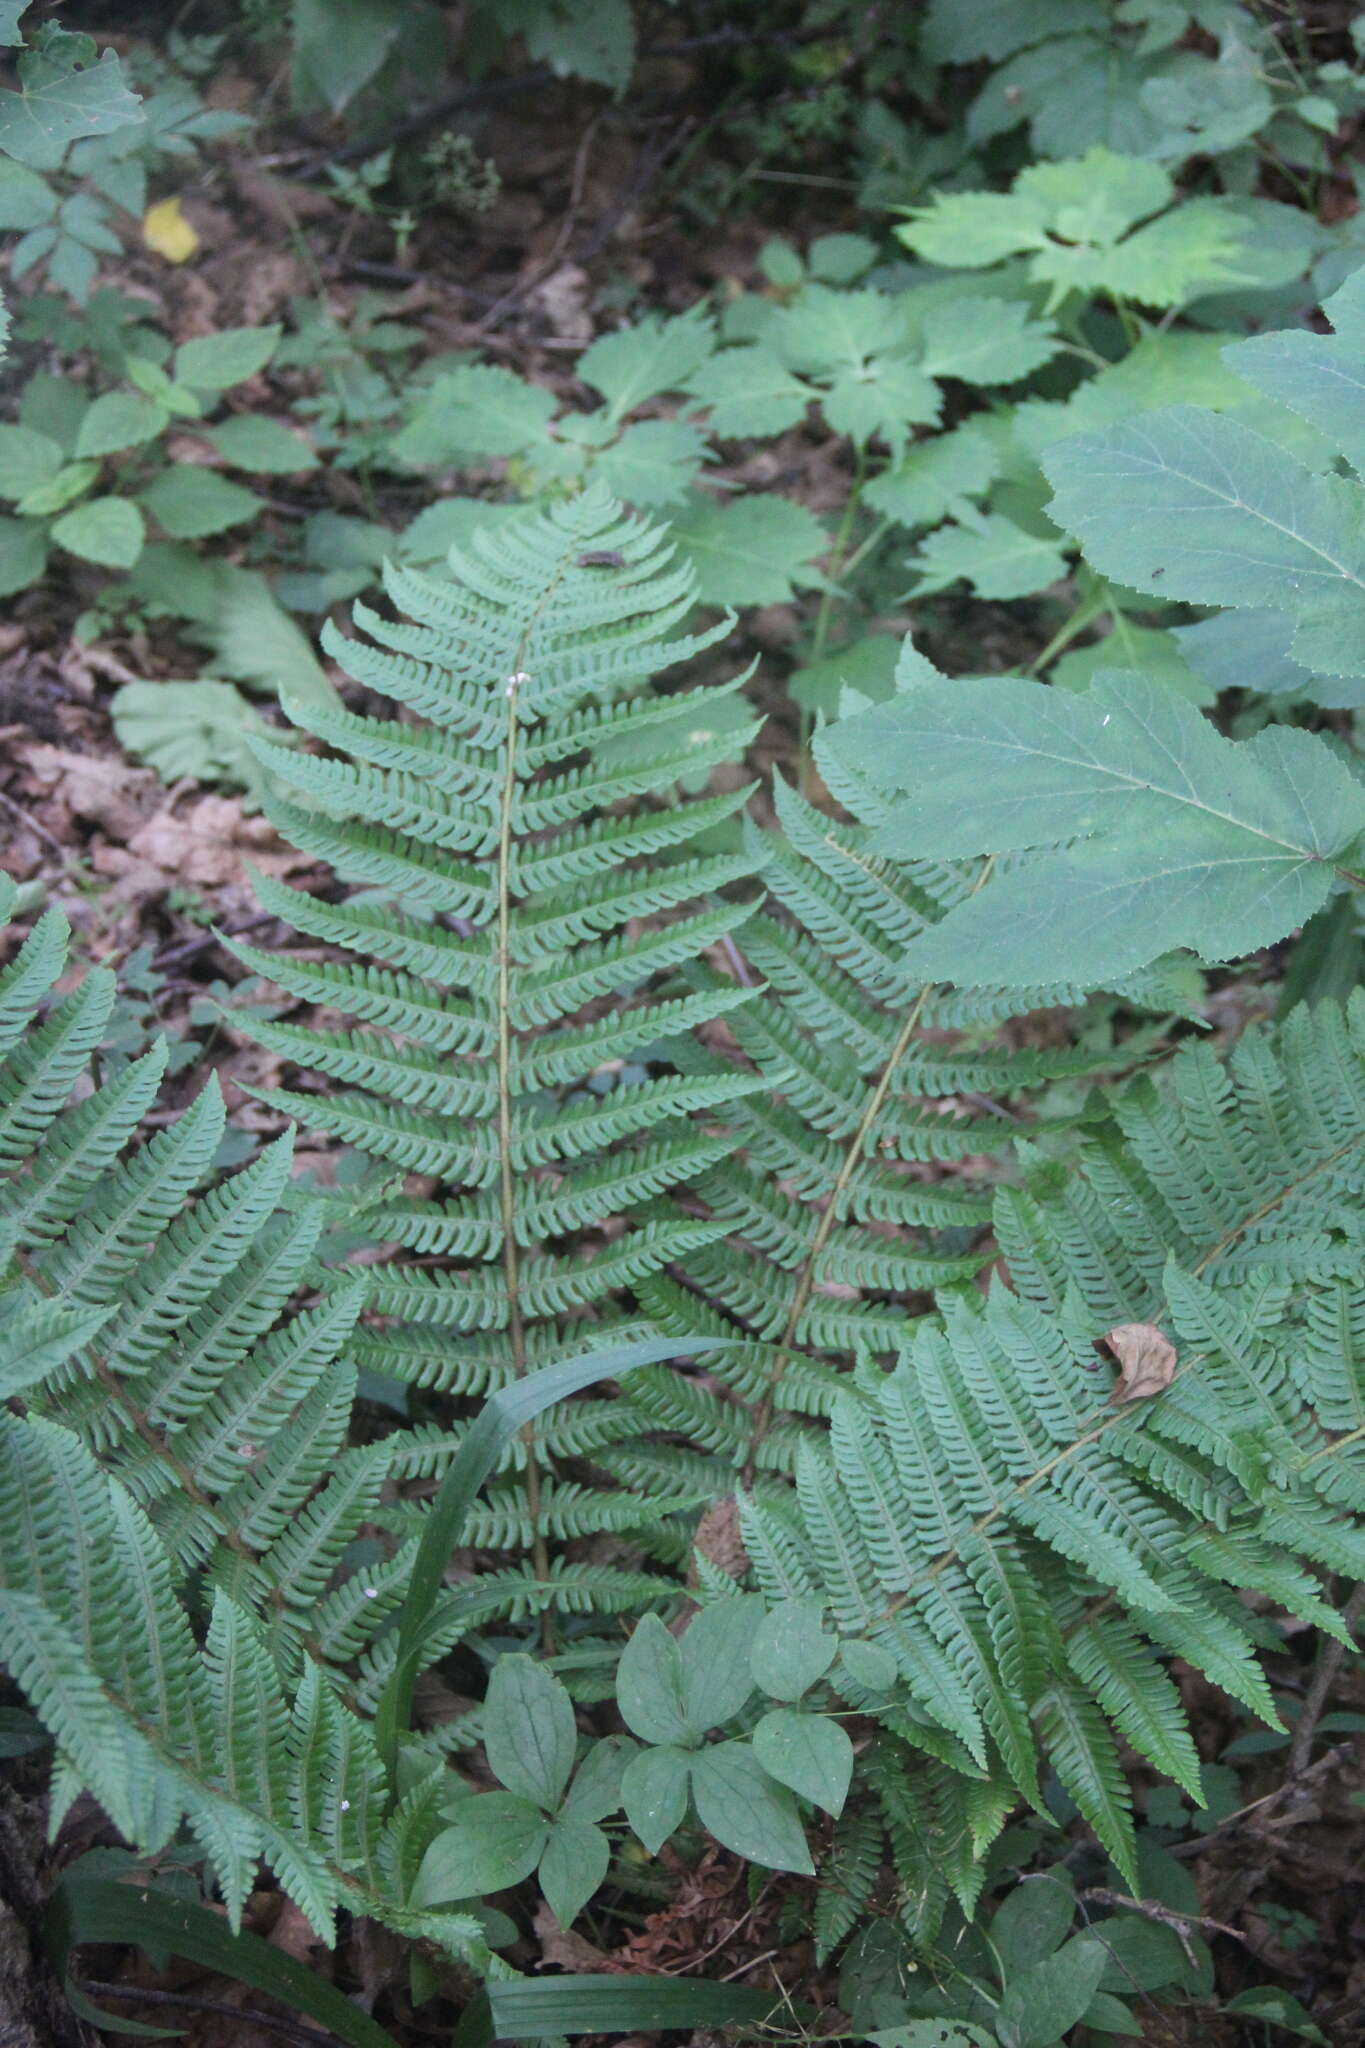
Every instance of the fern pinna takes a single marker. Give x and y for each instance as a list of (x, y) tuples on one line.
[(533, 882), (179, 1596)]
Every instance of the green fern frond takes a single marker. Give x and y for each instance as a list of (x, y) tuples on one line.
[(525, 819)]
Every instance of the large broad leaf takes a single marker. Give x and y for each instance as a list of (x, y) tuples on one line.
[(651, 356), (1191, 505), (751, 551), (529, 1732), (1322, 376), (64, 94), (1148, 830)]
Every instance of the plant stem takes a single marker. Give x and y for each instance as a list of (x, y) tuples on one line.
[(511, 1255)]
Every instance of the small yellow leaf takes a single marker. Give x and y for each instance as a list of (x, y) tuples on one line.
[(166, 230)]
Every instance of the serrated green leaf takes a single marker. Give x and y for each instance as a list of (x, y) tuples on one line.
[(104, 530), (985, 341), (751, 551), (1321, 376), (27, 461), (928, 480), (53, 495), (26, 200), (1194, 840), (746, 1810), (1190, 505), (882, 397), (750, 391), (596, 43), (189, 502), (998, 558), (653, 463), (648, 357), (118, 420), (214, 362), (479, 409)]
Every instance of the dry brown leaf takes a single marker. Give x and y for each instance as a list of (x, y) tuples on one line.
[(1146, 1359), (719, 1541)]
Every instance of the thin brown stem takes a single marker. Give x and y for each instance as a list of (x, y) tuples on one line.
[(806, 1277)]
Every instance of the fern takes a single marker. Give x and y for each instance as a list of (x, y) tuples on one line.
[(178, 1449), (533, 884), (1026, 1555)]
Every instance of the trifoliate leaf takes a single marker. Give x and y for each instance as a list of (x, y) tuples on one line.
[(1190, 505), (478, 409), (985, 341), (933, 475), (213, 362), (189, 501), (253, 442), (1192, 840), (104, 530), (119, 420), (653, 463), (751, 551), (998, 558), (750, 391), (197, 730), (647, 358)]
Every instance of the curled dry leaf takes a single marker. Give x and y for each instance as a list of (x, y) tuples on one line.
[(1146, 1359)]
